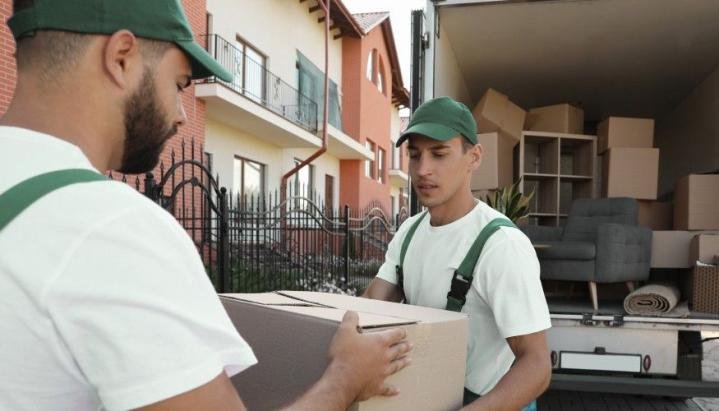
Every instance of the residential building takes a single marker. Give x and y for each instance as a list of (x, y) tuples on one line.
[(373, 93), (270, 117)]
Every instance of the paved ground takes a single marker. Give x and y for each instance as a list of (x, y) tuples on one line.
[(576, 401), (710, 370)]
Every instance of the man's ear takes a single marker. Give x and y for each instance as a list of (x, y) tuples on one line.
[(121, 57), (476, 156)]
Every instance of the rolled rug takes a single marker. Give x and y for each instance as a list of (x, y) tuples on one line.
[(652, 299)]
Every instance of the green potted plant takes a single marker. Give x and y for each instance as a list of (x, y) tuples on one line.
[(510, 201)]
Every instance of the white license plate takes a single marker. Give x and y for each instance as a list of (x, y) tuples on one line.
[(600, 362)]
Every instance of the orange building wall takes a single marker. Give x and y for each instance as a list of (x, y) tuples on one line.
[(366, 115)]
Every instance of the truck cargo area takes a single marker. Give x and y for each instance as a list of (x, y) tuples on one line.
[(653, 59)]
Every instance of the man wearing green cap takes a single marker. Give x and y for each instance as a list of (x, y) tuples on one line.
[(105, 301), (464, 256)]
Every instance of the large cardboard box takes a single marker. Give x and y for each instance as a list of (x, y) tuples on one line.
[(696, 202), (290, 333), (656, 215), (495, 112), (497, 167), (625, 132), (704, 248), (630, 172), (559, 118), (671, 249)]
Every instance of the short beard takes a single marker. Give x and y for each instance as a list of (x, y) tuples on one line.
[(146, 128)]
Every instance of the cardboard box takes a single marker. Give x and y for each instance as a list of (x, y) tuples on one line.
[(630, 172), (696, 202), (559, 118), (290, 333), (495, 112), (625, 132), (704, 248), (671, 249), (497, 167), (655, 214)]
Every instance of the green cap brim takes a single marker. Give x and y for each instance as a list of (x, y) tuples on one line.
[(203, 65), (434, 131)]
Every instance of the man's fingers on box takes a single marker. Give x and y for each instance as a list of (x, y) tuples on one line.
[(350, 320), (400, 349), (399, 364), (394, 336), (388, 390)]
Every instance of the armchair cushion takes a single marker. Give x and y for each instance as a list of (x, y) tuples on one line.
[(623, 253), (542, 234)]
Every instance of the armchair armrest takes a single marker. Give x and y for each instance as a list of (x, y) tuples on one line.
[(623, 253), (542, 234)]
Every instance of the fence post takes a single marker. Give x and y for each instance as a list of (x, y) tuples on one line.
[(223, 245), (150, 191), (347, 245)]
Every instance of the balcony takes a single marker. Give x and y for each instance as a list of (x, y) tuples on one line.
[(257, 101), (397, 176), (261, 104)]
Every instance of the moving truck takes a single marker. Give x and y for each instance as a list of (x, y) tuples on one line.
[(656, 59)]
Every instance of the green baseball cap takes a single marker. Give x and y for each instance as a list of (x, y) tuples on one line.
[(152, 19), (441, 119)]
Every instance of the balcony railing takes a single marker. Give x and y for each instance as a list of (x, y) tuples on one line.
[(255, 82)]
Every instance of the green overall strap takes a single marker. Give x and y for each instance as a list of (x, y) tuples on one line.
[(20, 196), (462, 278), (405, 245)]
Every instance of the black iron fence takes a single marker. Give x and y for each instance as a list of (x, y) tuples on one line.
[(252, 80), (256, 243)]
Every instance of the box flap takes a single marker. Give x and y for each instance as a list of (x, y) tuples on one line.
[(366, 320), (382, 308), (268, 299)]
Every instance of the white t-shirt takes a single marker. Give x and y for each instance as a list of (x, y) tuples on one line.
[(105, 302), (505, 299)]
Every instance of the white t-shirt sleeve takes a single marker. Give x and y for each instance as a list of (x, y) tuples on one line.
[(508, 280), (134, 306)]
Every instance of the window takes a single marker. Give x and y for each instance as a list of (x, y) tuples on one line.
[(396, 165), (311, 86), (304, 180), (369, 164), (248, 178), (380, 77), (370, 66), (249, 76), (381, 154)]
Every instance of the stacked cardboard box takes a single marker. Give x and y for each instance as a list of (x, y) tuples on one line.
[(696, 201), (630, 165), (496, 169), (290, 333), (559, 118), (656, 215), (704, 284), (495, 113)]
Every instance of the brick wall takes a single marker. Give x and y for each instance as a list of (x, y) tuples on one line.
[(8, 74)]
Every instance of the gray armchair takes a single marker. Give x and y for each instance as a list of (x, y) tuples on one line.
[(601, 243)]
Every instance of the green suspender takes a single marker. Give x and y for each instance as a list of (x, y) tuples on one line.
[(20, 196), (405, 246), (462, 278)]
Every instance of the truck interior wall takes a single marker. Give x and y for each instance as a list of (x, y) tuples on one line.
[(449, 80), (688, 137)]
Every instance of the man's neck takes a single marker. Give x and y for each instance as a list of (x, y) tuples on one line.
[(452, 210), (65, 119)]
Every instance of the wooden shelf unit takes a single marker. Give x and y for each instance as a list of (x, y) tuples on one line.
[(560, 169)]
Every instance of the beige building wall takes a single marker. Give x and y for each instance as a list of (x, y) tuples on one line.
[(688, 137), (278, 28)]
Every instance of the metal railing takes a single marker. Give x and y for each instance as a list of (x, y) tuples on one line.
[(254, 81), (257, 243)]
